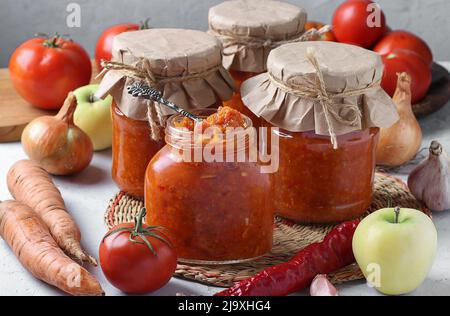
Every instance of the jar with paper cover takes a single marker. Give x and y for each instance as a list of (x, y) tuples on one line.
[(327, 105), (185, 65), (249, 30)]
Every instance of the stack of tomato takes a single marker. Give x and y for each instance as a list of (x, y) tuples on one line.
[(363, 23)]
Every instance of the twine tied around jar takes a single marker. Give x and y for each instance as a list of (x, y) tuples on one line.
[(141, 70), (347, 114), (243, 42)]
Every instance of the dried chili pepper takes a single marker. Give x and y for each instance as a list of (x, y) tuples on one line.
[(333, 253)]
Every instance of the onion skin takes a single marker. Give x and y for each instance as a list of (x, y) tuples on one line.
[(399, 143), (429, 182), (56, 144)]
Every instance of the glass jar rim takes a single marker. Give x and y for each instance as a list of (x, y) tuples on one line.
[(174, 134)]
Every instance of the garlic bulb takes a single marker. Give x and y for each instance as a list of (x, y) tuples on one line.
[(429, 182)]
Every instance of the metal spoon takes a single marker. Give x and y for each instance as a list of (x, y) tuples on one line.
[(138, 89)]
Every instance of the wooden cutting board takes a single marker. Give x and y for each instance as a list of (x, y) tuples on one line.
[(15, 112)]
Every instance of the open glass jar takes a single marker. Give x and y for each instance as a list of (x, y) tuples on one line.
[(184, 65), (249, 30), (326, 101), (217, 212)]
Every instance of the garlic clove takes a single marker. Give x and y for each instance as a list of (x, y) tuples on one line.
[(321, 286)]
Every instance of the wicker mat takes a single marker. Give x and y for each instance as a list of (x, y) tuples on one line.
[(289, 238)]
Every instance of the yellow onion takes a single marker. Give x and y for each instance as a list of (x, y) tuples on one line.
[(400, 143), (56, 144)]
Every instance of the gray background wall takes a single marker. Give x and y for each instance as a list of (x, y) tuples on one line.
[(21, 19)]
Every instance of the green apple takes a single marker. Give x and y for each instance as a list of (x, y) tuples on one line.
[(395, 249), (93, 116)]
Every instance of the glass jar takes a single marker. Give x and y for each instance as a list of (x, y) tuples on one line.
[(183, 65), (318, 184), (216, 212), (132, 149)]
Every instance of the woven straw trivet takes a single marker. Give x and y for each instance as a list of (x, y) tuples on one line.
[(289, 238)]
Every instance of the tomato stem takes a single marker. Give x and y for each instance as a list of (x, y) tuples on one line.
[(52, 41), (144, 25), (138, 221), (139, 231)]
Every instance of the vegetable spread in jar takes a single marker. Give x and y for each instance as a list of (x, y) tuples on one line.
[(132, 150), (249, 30), (185, 65), (326, 101), (317, 184), (217, 211)]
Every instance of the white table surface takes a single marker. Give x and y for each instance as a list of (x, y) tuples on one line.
[(87, 195)]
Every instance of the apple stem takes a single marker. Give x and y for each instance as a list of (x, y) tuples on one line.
[(397, 214), (91, 98)]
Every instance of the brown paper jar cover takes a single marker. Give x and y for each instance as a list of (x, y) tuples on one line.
[(254, 20), (344, 67), (171, 55)]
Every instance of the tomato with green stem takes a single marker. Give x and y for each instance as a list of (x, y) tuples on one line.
[(43, 70), (103, 48), (137, 258)]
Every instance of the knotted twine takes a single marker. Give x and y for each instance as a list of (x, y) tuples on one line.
[(317, 91), (243, 42), (141, 70)]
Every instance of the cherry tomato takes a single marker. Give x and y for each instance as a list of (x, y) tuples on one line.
[(402, 60), (103, 48), (328, 36), (45, 70), (405, 40), (136, 258), (350, 23)]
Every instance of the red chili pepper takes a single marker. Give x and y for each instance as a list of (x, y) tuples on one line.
[(333, 253)]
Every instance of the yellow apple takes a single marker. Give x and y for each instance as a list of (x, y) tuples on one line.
[(395, 249), (93, 116)]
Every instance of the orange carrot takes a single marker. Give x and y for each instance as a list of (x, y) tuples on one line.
[(32, 185), (38, 252)]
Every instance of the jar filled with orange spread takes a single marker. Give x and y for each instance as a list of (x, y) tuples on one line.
[(249, 30), (326, 104), (218, 210), (185, 65), (132, 150)]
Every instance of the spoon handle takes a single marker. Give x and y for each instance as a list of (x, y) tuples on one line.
[(138, 89)]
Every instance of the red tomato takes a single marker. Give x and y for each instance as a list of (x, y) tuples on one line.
[(350, 23), (133, 267), (104, 43), (45, 70), (328, 36), (403, 60), (405, 40)]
